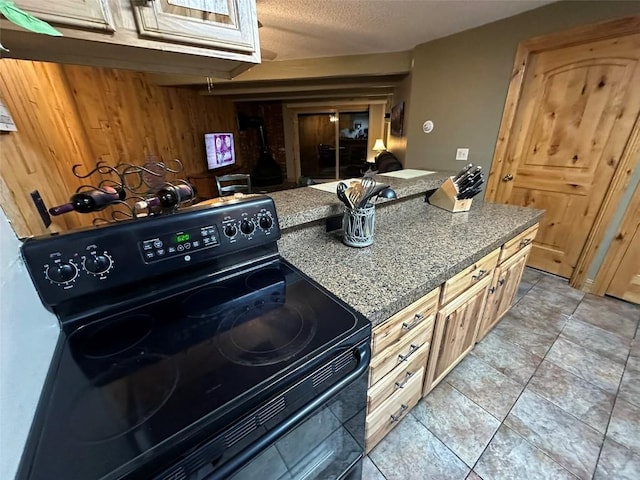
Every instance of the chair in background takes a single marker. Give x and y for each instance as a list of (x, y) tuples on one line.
[(234, 183)]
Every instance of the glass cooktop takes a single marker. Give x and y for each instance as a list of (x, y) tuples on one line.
[(129, 387)]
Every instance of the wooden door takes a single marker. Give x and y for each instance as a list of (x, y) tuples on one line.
[(91, 14), (619, 275), (578, 108), (626, 281), (222, 24)]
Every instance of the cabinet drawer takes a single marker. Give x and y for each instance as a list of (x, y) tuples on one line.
[(518, 243), (392, 410), (469, 276), (398, 378), (388, 359), (402, 323)]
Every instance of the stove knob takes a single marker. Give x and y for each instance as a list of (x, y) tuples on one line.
[(247, 227), (266, 222), (62, 272), (97, 264), (230, 231)]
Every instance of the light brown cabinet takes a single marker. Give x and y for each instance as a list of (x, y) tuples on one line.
[(455, 332), (416, 348), (503, 290), (218, 38), (400, 348), (89, 14), (224, 24)]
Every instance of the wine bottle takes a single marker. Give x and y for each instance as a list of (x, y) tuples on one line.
[(90, 200), (168, 197)]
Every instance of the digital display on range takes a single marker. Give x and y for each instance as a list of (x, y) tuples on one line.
[(179, 243)]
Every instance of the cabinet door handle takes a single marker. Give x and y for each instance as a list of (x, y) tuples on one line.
[(501, 282), (507, 178), (403, 384), (525, 242), (398, 415), (404, 358), (492, 290), (416, 319), (480, 275)]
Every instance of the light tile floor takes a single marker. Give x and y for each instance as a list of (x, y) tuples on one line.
[(552, 392)]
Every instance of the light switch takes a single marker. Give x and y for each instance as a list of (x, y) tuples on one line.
[(462, 154)]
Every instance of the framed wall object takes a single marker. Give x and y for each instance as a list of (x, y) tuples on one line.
[(397, 120)]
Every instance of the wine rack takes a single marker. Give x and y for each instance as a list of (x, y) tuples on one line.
[(139, 182)]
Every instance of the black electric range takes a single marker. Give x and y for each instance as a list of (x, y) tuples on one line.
[(188, 349)]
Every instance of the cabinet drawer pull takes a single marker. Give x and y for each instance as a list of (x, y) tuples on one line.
[(398, 415), (404, 358), (416, 319), (480, 275), (402, 384), (525, 242)]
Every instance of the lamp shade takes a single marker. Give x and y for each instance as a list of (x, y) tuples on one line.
[(378, 146)]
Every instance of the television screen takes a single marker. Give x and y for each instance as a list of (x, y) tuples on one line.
[(220, 150)]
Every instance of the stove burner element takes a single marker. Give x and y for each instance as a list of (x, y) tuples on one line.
[(265, 278), (105, 339), (123, 398), (206, 302), (266, 334)]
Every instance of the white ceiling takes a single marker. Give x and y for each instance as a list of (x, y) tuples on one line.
[(297, 29)]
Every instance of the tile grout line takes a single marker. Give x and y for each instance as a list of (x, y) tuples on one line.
[(516, 401), (615, 401), (475, 403)]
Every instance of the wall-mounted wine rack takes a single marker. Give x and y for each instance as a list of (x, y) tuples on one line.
[(138, 183)]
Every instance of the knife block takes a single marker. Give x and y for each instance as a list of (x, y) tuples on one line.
[(445, 198)]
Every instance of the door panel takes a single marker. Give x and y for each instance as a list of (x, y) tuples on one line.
[(91, 14), (577, 110), (626, 282), (224, 24)]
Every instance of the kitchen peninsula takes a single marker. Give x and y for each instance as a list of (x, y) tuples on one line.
[(397, 281), (432, 284)]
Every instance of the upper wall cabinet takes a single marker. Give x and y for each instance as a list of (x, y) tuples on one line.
[(91, 14), (212, 38), (225, 24)]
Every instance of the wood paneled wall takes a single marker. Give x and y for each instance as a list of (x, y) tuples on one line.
[(70, 115)]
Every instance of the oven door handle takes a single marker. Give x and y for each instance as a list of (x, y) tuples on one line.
[(362, 353)]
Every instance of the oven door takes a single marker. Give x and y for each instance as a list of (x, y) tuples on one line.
[(327, 445), (311, 430)]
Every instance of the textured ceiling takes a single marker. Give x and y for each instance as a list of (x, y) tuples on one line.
[(296, 29)]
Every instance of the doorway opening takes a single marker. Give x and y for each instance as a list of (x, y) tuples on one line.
[(333, 145)]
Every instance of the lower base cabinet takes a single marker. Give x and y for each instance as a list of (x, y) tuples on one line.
[(416, 348), (503, 290), (455, 332)]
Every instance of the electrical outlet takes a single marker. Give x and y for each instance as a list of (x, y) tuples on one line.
[(462, 154)]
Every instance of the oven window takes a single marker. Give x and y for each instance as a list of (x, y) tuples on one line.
[(328, 445)]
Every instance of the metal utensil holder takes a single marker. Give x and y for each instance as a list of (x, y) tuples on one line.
[(358, 226)]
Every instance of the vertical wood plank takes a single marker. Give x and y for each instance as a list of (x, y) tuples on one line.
[(69, 115)]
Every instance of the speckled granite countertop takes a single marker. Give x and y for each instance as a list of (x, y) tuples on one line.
[(302, 205), (417, 247)]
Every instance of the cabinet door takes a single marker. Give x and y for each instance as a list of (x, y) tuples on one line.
[(503, 290), (456, 330), (223, 24), (91, 14)]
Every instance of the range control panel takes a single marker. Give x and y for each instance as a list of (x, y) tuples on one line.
[(179, 243), (87, 261)]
